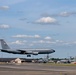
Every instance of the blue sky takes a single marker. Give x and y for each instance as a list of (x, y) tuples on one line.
[(39, 24)]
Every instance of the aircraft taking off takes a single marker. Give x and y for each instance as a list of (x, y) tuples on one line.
[(28, 52)]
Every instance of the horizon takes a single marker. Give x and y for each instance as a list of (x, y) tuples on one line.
[(39, 24)]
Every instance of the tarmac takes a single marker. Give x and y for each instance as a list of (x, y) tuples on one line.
[(36, 69)]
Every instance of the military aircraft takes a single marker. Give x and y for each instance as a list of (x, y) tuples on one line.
[(28, 52)]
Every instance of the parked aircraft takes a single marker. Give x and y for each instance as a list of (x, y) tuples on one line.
[(28, 52)]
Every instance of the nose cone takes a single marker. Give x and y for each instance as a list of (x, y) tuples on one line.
[(53, 50)]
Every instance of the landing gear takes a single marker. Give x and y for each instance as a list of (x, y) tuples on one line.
[(47, 56)]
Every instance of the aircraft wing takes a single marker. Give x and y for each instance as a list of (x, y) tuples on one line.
[(28, 52)]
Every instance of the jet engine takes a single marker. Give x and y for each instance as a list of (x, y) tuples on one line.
[(35, 53)]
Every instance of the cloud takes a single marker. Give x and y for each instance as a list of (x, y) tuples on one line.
[(59, 41), (19, 42), (46, 20), (41, 41), (37, 36), (4, 7), (44, 42), (4, 26), (65, 14), (26, 36), (19, 36), (53, 42), (66, 43), (48, 38), (61, 14)]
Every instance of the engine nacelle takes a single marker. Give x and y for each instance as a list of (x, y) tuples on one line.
[(35, 53)]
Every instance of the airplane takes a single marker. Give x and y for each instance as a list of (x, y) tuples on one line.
[(28, 52)]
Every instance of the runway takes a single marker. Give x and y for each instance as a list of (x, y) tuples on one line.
[(36, 69)]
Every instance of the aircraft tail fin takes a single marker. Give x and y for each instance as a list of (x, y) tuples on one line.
[(4, 44)]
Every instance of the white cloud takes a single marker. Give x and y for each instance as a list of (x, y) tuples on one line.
[(65, 14), (48, 38), (4, 7), (26, 36), (46, 20), (4, 26), (62, 14), (19, 36), (19, 42), (59, 41), (37, 36), (67, 43), (51, 42), (40, 41), (44, 42)]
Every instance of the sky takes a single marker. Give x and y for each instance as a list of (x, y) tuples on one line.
[(39, 24)]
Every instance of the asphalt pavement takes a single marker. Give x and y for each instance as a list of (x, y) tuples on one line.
[(36, 69)]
